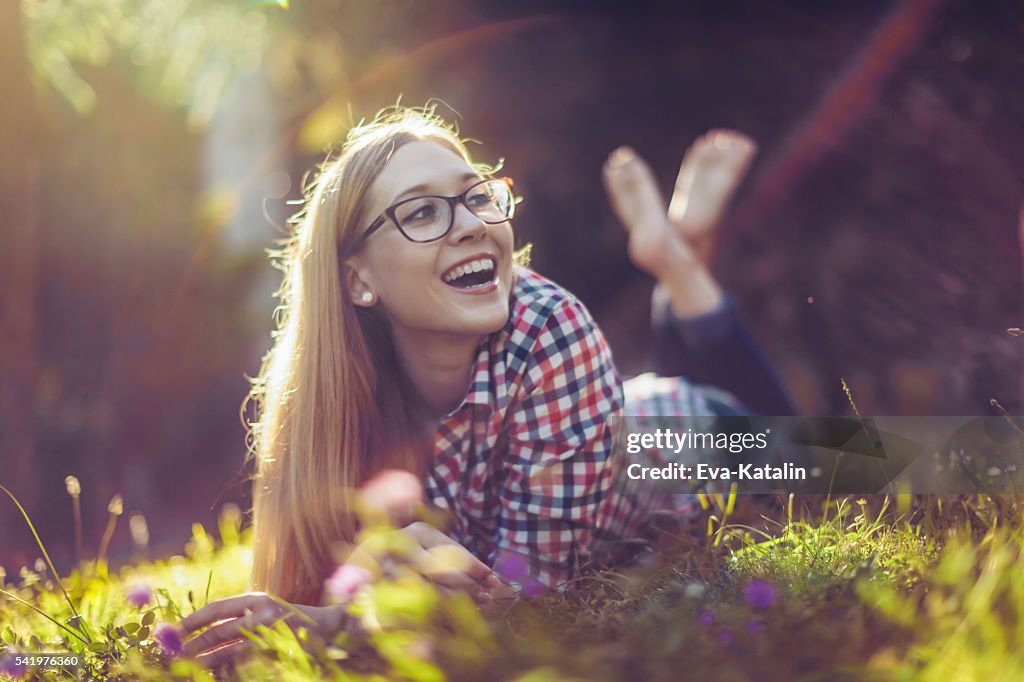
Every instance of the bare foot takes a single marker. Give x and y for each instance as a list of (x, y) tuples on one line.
[(653, 245), (712, 169)]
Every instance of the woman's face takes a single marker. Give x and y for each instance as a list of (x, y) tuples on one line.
[(408, 279)]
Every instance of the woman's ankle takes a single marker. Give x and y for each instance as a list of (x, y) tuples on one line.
[(691, 291)]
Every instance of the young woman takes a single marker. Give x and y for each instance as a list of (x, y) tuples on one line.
[(409, 338)]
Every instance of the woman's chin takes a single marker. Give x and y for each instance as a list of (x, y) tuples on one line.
[(492, 321), (486, 318), (481, 312)]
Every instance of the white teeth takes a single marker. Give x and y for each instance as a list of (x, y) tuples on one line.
[(465, 268)]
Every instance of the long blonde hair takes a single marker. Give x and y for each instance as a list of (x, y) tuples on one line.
[(327, 393)]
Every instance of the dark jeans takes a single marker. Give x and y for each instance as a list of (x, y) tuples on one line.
[(715, 350)]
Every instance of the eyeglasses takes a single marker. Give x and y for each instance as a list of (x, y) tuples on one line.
[(429, 218)]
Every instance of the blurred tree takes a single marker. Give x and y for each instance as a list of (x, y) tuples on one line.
[(185, 54), (92, 352), (21, 139)]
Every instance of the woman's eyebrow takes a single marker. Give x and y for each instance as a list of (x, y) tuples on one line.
[(423, 187)]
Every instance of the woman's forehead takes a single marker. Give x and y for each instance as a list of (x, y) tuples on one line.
[(423, 167)]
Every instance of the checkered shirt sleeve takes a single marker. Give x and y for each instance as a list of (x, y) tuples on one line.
[(557, 471)]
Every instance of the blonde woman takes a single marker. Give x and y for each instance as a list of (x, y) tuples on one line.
[(409, 338)]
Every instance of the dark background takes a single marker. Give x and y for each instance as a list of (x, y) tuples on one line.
[(875, 240)]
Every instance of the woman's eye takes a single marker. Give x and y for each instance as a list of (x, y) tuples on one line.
[(479, 199), (420, 214)]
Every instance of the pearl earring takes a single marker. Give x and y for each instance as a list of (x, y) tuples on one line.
[(367, 297)]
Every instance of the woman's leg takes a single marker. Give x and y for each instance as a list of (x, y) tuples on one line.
[(697, 334)]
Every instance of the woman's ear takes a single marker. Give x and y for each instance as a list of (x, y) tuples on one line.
[(356, 286)]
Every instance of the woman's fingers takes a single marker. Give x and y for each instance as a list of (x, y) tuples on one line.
[(427, 535), (439, 558), (225, 654), (480, 596), (452, 566), (228, 617), (227, 639), (461, 582), (223, 609), (215, 636), (229, 630), (444, 556)]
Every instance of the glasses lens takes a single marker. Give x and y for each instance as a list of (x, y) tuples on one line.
[(491, 201), (423, 219)]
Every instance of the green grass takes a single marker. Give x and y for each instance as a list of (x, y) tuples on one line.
[(807, 558), (923, 590)]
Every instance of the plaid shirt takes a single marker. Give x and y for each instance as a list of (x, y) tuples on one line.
[(524, 465)]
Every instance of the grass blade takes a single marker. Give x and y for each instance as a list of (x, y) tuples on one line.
[(43, 614), (46, 555)]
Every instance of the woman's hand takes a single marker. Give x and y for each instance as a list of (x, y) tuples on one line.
[(225, 641), (430, 552), (426, 549), (396, 497)]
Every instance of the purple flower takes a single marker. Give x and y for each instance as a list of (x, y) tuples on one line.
[(760, 594), (725, 637), (139, 595), (705, 618), (346, 580), (169, 637), (512, 568), (533, 588), (7, 666), (755, 626)]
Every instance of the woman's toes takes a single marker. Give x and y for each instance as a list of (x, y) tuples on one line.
[(712, 169), (635, 199), (632, 189)]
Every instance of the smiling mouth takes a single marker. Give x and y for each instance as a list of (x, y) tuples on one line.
[(472, 275)]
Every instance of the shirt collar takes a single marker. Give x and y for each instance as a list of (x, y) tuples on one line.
[(481, 385), (481, 389)]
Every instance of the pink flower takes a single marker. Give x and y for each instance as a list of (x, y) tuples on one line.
[(346, 580), (169, 637), (395, 493), (760, 594), (139, 595)]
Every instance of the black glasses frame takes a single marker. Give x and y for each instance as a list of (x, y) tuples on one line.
[(389, 212)]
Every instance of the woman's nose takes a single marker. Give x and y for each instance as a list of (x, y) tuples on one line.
[(466, 225)]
